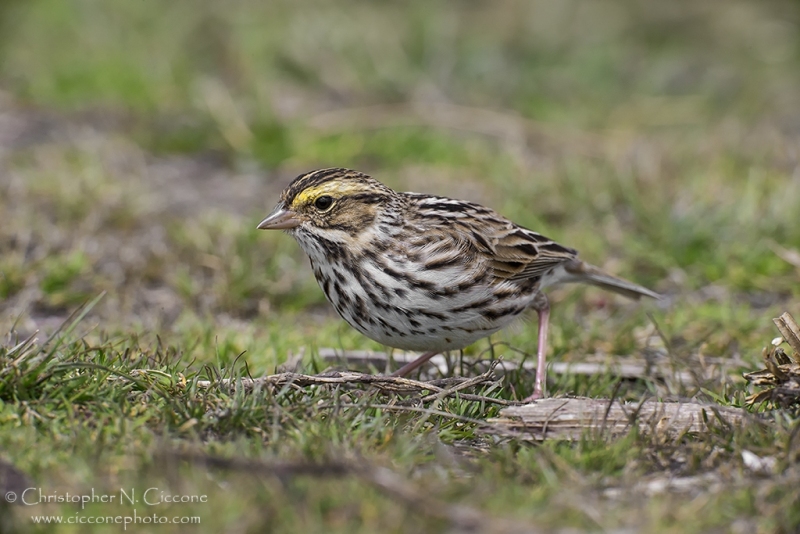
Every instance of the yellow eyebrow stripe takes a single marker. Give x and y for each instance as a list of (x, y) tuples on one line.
[(334, 189)]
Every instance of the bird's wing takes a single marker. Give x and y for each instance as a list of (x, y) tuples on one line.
[(520, 254), (470, 230)]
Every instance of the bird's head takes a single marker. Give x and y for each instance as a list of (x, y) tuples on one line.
[(332, 203)]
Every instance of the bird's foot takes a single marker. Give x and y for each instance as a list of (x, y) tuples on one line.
[(536, 395)]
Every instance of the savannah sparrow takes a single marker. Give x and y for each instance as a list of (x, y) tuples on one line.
[(425, 273)]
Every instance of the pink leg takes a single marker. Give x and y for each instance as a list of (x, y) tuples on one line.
[(543, 311), (410, 366)]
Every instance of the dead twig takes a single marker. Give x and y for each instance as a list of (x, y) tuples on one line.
[(481, 379), (781, 376), (573, 418), (789, 330), (392, 384)]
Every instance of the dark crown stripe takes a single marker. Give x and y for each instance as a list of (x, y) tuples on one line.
[(312, 179), (318, 177)]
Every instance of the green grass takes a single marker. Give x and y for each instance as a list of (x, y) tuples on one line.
[(141, 143)]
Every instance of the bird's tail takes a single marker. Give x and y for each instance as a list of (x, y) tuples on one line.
[(580, 271)]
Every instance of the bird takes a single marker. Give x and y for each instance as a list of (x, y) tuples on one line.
[(426, 273)]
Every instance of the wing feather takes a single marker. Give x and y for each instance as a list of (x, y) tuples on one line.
[(513, 253), (522, 254)]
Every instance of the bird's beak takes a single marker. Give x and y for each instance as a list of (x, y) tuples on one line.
[(281, 218)]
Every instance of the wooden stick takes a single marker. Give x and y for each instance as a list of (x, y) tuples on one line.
[(573, 418), (789, 330), (389, 383)]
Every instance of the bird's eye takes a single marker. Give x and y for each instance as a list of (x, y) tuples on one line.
[(323, 203)]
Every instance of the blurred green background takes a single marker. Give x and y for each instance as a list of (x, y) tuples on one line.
[(662, 137), (142, 141)]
